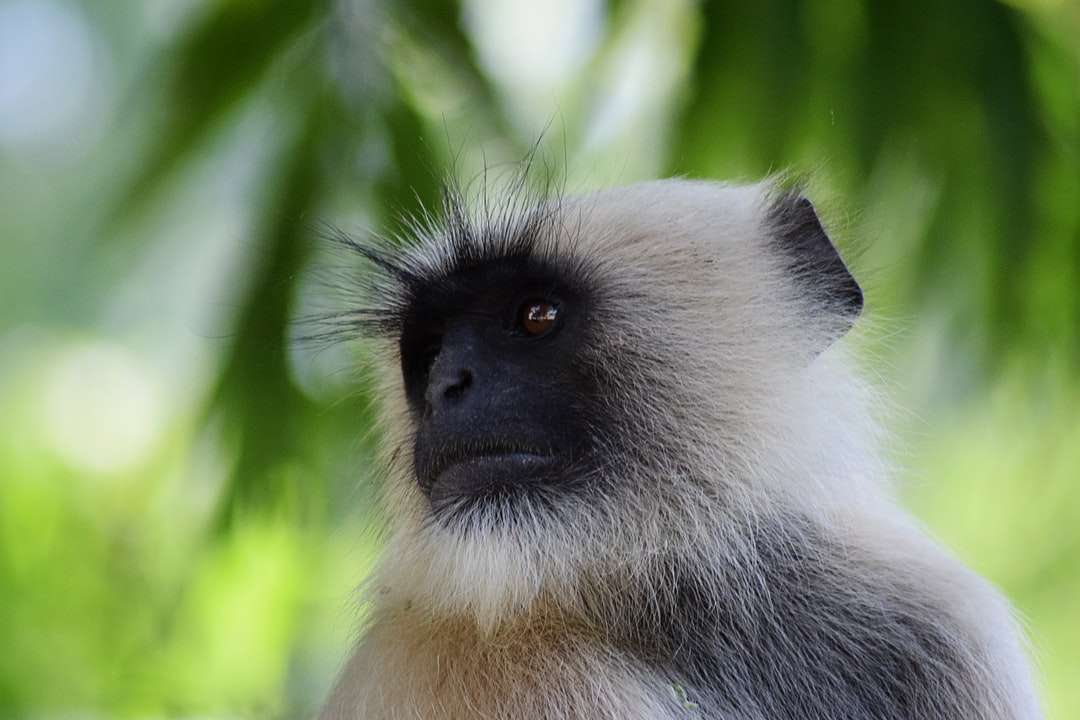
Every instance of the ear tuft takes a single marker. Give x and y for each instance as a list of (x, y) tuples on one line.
[(811, 257)]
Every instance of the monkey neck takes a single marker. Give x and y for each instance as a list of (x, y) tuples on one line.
[(622, 605), (610, 593)]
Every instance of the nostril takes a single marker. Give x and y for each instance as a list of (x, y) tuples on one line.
[(448, 384), (457, 387)]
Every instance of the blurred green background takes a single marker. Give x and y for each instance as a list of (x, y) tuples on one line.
[(186, 495)]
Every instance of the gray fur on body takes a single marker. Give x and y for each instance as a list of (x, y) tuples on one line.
[(743, 557)]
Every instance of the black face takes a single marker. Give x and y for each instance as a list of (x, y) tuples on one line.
[(493, 378)]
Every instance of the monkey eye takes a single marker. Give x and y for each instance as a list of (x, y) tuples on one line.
[(537, 317)]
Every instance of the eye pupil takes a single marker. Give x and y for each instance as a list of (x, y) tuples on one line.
[(538, 317)]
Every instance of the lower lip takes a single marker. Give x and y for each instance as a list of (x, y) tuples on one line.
[(492, 468)]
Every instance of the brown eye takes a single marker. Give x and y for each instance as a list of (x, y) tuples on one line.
[(537, 317)]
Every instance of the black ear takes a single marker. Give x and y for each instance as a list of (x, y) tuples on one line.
[(813, 260)]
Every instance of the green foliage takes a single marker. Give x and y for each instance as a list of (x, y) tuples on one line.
[(186, 491)]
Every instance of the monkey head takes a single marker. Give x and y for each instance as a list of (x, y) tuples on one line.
[(570, 378)]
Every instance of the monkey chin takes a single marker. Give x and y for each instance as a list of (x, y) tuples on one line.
[(488, 556), (495, 536)]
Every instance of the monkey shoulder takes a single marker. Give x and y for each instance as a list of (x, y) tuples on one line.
[(808, 627)]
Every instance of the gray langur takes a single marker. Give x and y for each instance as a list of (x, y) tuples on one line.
[(631, 475)]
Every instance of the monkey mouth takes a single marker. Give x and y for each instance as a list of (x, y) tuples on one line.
[(509, 457), (477, 466)]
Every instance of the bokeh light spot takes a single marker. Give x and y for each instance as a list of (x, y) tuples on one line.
[(102, 408)]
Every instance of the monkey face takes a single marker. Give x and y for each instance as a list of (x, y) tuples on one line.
[(499, 397)]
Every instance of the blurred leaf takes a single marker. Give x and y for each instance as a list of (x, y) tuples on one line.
[(747, 90), (214, 65), (255, 391), (432, 30), (951, 82), (414, 181)]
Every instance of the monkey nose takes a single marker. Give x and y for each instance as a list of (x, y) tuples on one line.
[(447, 385)]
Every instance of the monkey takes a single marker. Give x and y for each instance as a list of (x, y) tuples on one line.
[(633, 473)]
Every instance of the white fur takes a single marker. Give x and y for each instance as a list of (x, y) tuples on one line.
[(730, 376)]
